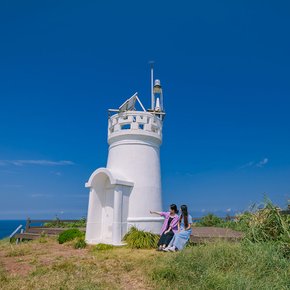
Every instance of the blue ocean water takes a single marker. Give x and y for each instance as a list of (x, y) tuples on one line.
[(8, 226)]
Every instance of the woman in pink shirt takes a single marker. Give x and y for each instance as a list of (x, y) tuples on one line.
[(170, 226)]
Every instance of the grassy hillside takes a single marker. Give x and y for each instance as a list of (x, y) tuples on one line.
[(260, 261), (45, 264)]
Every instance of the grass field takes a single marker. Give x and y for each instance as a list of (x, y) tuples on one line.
[(45, 264)]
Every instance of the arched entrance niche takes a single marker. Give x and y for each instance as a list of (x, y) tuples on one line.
[(108, 207)]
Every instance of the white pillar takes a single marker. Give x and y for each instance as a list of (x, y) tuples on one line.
[(92, 217), (117, 217)]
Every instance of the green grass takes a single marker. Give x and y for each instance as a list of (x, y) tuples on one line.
[(80, 243), (102, 247), (260, 262), (220, 265), (224, 265), (3, 276), (17, 252)]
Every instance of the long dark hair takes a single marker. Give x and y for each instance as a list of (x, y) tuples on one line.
[(184, 215), (174, 207)]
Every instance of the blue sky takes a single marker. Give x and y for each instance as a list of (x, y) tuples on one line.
[(225, 70)]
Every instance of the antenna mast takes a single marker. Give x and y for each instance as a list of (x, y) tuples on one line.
[(152, 84)]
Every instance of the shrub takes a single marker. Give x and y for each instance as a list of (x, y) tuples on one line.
[(210, 220), (80, 243), (137, 239), (57, 223), (78, 224), (69, 235)]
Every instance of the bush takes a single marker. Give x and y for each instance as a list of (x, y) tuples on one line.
[(80, 243), (69, 235), (210, 220), (137, 239), (78, 224), (57, 223)]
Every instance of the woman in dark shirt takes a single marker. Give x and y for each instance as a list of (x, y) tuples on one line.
[(170, 226)]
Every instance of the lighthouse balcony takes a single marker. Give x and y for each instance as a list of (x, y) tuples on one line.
[(136, 122)]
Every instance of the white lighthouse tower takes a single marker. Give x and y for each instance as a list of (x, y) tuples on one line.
[(123, 193)]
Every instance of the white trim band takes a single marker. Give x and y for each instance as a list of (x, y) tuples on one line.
[(145, 219)]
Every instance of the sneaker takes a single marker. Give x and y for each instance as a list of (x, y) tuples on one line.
[(166, 249), (171, 249)]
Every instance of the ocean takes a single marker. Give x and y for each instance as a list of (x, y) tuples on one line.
[(8, 226)]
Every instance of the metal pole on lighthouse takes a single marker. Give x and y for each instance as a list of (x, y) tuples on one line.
[(152, 84)]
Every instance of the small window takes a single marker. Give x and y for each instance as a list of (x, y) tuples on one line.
[(126, 127), (141, 126)]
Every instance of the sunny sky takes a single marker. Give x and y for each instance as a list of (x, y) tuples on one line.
[(225, 71)]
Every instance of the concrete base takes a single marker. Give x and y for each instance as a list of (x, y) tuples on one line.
[(96, 242)]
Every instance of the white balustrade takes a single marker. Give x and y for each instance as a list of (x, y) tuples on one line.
[(131, 120)]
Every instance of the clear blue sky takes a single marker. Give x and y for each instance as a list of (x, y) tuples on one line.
[(225, 69)]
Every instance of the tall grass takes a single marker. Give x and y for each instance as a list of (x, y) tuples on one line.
[(224, 265), (267, 224), (264, 222), (137, 239), (80, 243)]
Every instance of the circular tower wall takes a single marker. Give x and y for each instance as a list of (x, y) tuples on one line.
[(135, 138)]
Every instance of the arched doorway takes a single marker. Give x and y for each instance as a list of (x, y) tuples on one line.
[(108, 207)]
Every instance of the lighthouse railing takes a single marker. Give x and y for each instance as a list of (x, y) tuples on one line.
[(132, 120)]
